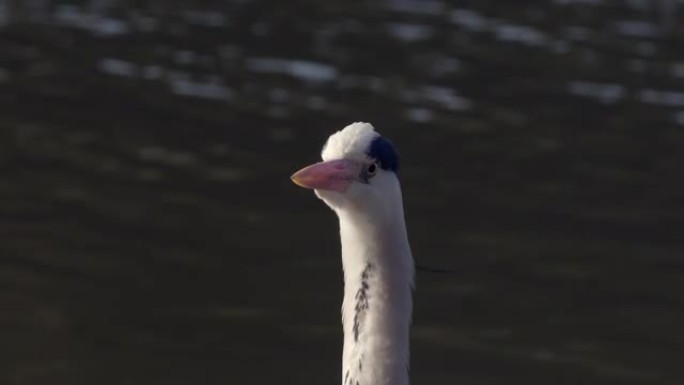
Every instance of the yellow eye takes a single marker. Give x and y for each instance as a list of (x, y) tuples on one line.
[(372, 169)]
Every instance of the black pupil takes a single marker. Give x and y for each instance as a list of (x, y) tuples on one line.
[(371, 168)]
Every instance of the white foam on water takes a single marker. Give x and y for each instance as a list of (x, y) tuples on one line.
[(409, 32), (302, 69), (663, 98), (117, 67), (607, 93)]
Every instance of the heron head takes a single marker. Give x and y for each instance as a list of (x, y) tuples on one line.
[(358, 170)]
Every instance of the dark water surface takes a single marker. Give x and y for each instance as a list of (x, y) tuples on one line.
[(150, 233)]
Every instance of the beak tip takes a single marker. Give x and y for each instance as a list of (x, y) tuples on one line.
[(296, 179)]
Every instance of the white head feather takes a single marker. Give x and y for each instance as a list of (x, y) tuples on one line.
[(352, 142)]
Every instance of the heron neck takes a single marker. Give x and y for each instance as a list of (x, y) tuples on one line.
[(377, 305)]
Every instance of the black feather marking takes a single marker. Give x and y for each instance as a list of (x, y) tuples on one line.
[(361, 301)]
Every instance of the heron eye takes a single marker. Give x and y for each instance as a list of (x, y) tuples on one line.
[(372, 168)]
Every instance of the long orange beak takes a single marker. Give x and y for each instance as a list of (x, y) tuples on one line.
[(333, 175)]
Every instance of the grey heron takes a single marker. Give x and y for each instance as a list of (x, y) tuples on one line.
[(358, 180)]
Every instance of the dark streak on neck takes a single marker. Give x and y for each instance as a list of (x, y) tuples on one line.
[(361, 301)]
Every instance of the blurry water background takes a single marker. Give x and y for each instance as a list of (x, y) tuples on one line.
[(149, 233)]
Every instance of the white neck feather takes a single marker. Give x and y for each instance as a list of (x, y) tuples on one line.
[(377, 306)]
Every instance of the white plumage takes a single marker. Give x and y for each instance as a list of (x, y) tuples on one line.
[(358, 181), (352, 142)]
